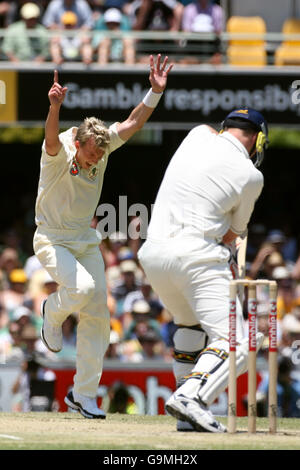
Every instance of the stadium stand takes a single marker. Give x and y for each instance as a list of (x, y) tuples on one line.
[(247, 51), (289, 51)]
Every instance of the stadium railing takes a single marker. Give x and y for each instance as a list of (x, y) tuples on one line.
[(178, 45)]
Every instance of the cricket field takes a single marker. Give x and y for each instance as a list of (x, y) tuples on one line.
[(70, 431)]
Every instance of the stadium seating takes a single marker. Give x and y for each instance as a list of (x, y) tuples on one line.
[(289, 51), (248, 51)]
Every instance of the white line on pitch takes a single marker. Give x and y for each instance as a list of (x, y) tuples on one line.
[(8, 436)]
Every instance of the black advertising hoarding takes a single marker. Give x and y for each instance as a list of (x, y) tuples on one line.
[(191, 96)]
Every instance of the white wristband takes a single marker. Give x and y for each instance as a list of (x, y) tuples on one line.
[(151, 99)]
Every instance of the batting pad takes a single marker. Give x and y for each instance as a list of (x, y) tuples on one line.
[(218, 381), (188, 344)]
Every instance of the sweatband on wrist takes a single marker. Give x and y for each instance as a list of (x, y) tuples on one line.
[(151, 99)]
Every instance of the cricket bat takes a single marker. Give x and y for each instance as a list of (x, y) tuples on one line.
[(237, 262)]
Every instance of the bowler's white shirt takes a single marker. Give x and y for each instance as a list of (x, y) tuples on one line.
[(67, 201), (210, 186)]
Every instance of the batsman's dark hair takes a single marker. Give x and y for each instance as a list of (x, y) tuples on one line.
[(240, 123)]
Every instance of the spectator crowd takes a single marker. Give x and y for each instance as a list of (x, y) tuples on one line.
[(141, 328), (77, 30)]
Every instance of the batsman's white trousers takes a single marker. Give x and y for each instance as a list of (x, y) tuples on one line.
[(73, 260), (194, 292)]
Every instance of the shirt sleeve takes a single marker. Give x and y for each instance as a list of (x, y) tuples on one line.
[(189, 13), (8, 45), (242, 212), (64, 137), (115, 139), (46, 156), (86, 15), (50, 17), (218, 18)]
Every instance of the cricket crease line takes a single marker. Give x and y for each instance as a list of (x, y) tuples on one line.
[(8, 436)]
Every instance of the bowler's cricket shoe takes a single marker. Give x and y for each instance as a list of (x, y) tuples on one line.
[(190, 410), (184, 426), (85, 405), (51, 335)]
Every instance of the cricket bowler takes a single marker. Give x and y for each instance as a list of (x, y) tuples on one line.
[(204, 203), (71, 177)]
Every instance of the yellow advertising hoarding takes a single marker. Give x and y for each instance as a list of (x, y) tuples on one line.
[(8, 96)]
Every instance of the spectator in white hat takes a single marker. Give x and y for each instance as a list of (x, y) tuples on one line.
[(127, 283), (119, 49)]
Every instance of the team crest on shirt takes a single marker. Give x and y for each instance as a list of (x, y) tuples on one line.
[(74, 170), (93, 173)]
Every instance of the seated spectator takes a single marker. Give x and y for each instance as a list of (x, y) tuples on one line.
[(34, 387), (29, 337), (202, 16), (256, 237), (141, 321), (11, 239), (285, 245), (14, 12), (52, 18), (97, 8), (125, 253), (15, 295), (130, 351), (291, 321), (152, 346), (145, 292), (4, 320), (127, 283), (4, 13), (122, 5), (112, 351), (290, 341), (155, 15), (18, 44), (4, 335), (113, 277), (287, 296), (70, 47), (113, 49), (288, 391), (111, 246), (266, 260), (9, 260), (22, 316), (288, 244), (15, 345)]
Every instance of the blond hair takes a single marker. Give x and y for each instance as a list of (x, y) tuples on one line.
[(93, 127)]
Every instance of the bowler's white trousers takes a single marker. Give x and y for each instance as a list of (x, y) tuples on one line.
[(73, 260), (194, 292)]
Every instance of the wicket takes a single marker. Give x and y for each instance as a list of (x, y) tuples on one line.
[(252, 313)]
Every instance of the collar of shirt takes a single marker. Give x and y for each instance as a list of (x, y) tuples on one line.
[(226, 135)]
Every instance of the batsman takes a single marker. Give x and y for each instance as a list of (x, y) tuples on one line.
[(73, 164), (202, 208)]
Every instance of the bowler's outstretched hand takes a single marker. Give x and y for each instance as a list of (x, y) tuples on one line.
[(57, 93), (159, 73)]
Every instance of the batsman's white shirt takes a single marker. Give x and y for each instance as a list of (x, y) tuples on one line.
[(210, 186), (68, 249)]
